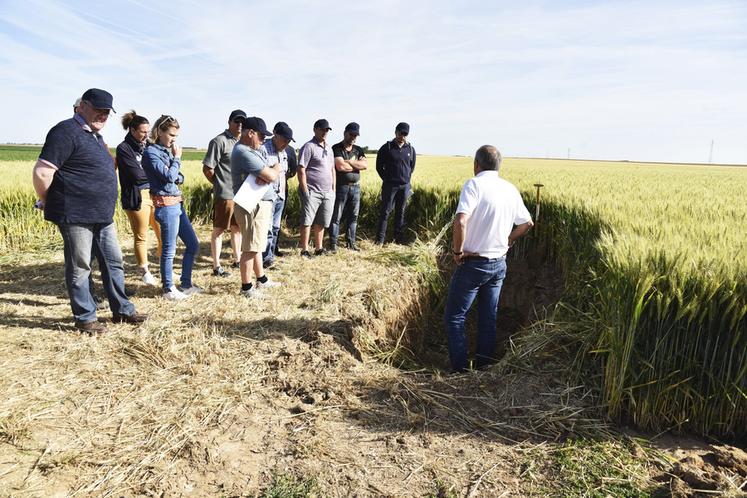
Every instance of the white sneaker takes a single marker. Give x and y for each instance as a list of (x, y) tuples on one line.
[(189, 291), (252, 293), (270, 284), (174, 294), (149, 279)]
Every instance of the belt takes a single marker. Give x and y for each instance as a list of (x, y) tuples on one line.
[(348, 184), (480, 258)]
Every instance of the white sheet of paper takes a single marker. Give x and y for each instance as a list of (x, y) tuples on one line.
[(250, 193)]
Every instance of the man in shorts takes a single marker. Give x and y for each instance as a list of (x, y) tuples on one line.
[(217, 169), (316, 187), (249, 158)]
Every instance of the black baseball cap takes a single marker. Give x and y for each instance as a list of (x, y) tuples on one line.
[(98, 98), (322, 123), (403, 128), (353, 128), (238, 113), (282, 129), (257, 124)]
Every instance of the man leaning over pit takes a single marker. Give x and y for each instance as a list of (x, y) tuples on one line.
[(489, 218)]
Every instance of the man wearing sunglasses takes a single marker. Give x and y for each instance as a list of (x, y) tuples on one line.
[(77, 185), (395, 163), (217, 169)]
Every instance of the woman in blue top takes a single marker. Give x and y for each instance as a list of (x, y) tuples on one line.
[(161, 163)]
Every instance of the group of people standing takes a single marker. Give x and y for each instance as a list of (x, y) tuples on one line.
[(76, 183)]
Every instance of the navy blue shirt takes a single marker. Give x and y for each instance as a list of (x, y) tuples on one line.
[(84, 187), (395, 164)]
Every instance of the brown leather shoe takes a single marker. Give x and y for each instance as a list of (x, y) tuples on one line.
[(91, 328), (134, 319)]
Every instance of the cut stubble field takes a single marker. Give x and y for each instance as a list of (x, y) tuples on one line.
[(333, 385)]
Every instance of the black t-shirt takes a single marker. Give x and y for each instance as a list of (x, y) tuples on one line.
[(84, 187), (355, 153)]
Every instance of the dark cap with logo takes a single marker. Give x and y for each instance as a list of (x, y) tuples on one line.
[(98, 98), (353, 128), (282, 129), (402, 128), (323, 124), (238, 113), (256, 124)]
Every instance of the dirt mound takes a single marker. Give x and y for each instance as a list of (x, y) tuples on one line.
[(718, 470)]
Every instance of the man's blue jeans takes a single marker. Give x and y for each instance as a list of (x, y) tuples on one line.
[(79, 240), (474, 278), (272, 234), (174, 222), (347, 206), (393, 196)]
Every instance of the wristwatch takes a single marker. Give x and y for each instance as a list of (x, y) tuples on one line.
[(457, 253)]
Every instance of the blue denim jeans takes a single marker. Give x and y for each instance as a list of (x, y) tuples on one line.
[(393, 196), (174, 222), (347, 205), (268, 256), (474, 278), (80, 240)]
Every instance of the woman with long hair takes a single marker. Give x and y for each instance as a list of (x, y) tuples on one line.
[(133, 180), (162, 162)]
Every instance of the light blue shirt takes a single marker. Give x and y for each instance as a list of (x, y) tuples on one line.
[(274, 156), (246, 161)]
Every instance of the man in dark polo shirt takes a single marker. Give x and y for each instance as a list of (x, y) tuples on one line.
[(217, 169), (349, 162), (395, 163), (77, 185)]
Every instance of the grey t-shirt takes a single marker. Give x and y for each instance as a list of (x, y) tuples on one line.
[(218, 158), (246, 161), (320, 165)]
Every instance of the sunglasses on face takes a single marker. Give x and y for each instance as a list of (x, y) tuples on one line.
[(238, 120), (404, 133)]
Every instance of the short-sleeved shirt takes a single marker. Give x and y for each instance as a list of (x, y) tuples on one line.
[(320, 165), (218, 158), (355, 153), (246, 161), (494, 206), (273, 156), (84, 187)]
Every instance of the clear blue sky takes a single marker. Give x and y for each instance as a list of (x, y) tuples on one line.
[(645, 80)]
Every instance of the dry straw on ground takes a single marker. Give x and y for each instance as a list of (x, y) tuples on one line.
[(220, 396)]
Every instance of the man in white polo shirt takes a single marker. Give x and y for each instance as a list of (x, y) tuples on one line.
[(490, 217)]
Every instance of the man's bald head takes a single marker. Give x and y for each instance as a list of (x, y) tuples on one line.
[(488, 158)]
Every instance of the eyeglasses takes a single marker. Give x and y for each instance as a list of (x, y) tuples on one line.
[(238, 120)]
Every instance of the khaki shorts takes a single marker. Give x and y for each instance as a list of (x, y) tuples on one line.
[(254, 226), (223, 214)]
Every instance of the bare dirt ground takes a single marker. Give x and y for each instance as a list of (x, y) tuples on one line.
[(220, 396)]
